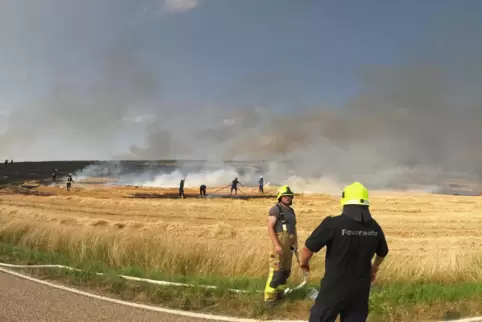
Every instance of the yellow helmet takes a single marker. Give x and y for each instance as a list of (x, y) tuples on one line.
[(284, 191), (355, 194)]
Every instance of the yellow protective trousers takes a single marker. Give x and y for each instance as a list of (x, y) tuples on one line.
[(279, 267)]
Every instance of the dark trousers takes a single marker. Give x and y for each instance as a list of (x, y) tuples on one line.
[(320, 314)]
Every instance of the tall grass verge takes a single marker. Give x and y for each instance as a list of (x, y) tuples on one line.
[(173, 254), (390, 302)]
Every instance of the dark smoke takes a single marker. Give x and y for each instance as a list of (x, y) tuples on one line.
[(80, 122), (412, 124), (415, 124)]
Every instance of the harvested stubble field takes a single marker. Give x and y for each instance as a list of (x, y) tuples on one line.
[(432, 238)]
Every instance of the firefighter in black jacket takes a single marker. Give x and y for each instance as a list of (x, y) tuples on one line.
[(181, 189), (352, 239), (69, 181)]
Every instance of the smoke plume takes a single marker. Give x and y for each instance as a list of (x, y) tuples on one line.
[(78, 122), (415, 125), (410, 126)]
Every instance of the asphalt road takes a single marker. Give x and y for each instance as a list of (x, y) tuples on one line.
[(22, 300)]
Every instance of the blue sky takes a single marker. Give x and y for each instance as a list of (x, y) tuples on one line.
[(274, 53)]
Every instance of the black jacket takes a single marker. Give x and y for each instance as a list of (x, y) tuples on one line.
[(351, 239)]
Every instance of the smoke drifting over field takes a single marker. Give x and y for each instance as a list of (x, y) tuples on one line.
[(413, 124), (80, 122), (405, 128)]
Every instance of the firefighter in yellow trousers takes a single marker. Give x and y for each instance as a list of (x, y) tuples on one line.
[(283, 235)]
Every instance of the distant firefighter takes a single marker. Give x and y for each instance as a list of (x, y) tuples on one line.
[(202, 191), (261, 184), (181, 189), (234, 186), (6, 162), (69, 181), (54, 175)]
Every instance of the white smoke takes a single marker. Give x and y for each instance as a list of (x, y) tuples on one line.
[(216, 175), (192, 180), (213, 175)]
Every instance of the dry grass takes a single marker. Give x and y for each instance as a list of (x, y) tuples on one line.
[(431, 237)]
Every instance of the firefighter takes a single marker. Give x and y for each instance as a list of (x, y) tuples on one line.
[(181, 189), (283, 235), (69, 181), (260, 184), (352, 239), (202, 191), (234, 186), (54, 175)]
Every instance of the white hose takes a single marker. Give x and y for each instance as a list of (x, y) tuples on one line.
[(473, 319), (192, 315), (138, 279), (305, 274)]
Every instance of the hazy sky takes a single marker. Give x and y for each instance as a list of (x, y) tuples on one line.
[(231, 51), (277, 54)]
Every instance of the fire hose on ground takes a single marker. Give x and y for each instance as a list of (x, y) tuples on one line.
[(313, 292), (219, 318), (151, 281)]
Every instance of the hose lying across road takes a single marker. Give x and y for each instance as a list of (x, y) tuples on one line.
[(154, 308)]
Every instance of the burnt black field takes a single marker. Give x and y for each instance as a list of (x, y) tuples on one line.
[(41, 171), (19, 172)]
